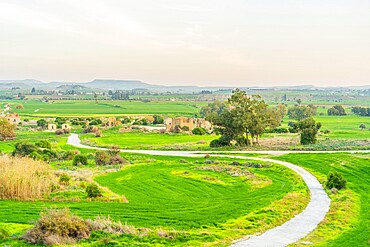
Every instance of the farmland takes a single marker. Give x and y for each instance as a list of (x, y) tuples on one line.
[(163, 192), (196, 201), (70, 108)]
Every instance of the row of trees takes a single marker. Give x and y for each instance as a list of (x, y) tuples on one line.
[(361, 111)]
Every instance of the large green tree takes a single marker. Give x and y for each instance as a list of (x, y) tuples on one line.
[(242, 118)]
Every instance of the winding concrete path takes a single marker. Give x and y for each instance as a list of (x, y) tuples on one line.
[(291, 231)]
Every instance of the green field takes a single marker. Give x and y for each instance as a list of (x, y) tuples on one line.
[(348, 221), (89, 108), (140, 140), (205, 205)]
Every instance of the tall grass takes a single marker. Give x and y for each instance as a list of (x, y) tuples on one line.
[(24, 178)]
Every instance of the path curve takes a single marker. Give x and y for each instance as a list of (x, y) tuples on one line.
[(292, 230)]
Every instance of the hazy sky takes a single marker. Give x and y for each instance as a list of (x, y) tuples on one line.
[(197, 42)]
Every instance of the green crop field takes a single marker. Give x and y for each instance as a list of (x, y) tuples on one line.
[(205, 205), (89, 108), (140, 140)]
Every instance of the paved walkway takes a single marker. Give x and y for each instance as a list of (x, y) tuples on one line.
[(291, 231)]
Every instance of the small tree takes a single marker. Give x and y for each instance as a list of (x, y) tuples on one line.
[(308, 128), (7, 130), (336, 180), (362, 126), (41, 123)]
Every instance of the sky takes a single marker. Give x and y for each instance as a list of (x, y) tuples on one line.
[(188, 42)]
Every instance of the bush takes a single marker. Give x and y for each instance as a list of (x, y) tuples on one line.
[(185, 128), (117, 160), (98, 133), (93, 191), (59, 132), (336, 180), (114, 150), (199, 131), (221, 142), (57, 227), (69, 155), (79, 160), (4, 235), (43, 144), (24, 149), (64, 179), (177, 129), (101, 158)]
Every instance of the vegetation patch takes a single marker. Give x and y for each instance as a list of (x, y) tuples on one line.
[(24, 178)]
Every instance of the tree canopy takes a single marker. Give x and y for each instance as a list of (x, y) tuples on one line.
[(242, 118), (302, 112), (337, 110)]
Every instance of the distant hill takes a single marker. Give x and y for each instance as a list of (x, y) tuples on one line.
[(105, 84), (118, 84), (25, 82)]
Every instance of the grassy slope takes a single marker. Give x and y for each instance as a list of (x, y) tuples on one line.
[(356, 169), (161, 196)]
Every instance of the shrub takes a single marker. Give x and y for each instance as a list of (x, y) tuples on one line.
[(70, 154), (98, 133), (117, 160), (101, 158), (57, 227), (185, 128), (64, 179), (24, 149), (114, 150), (43, 144), (93, 191), (362, 126), (336, 180), (158, 119), (199, 131), (4, 235), (177, 129), (59, 132), (221, 142), (79, 160), (24, 178)]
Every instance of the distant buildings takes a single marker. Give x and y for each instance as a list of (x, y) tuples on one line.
[(13, 118), (190, 123)]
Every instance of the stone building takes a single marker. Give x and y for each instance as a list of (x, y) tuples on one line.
[(52, 126), (13, 118), (191, 123)]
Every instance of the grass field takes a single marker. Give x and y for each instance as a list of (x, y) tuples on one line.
[(206, 205), (348, 221), (140, 140), (104, 108)]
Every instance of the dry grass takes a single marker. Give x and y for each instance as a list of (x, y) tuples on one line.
[(24, 178)]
